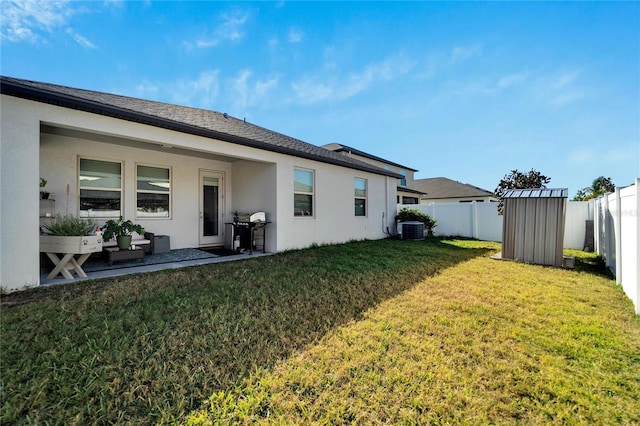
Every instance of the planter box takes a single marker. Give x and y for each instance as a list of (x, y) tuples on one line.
[(77, 245)]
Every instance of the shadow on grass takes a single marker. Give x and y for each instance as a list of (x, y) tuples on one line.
[(151, 348), (590, 263)]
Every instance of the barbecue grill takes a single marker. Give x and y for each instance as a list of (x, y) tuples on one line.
[(249, 232)]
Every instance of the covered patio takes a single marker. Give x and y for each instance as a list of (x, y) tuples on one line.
[(97, 267)]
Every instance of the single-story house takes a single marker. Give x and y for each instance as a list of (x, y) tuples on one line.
[(443, 190), (407, 193), (176, 170)]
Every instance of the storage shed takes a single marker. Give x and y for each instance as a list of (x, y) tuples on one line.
[(533, 225)]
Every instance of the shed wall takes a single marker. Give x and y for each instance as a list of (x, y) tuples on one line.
[(533, 230)]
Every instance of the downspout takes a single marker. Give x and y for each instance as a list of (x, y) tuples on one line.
[(385, 213)]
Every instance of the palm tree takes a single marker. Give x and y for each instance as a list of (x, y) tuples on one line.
[(600, 186)]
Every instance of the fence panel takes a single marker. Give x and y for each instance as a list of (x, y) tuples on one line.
[(617, 234), (471, 220), (578, 212)]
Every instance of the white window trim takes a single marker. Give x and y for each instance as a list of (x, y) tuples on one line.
[(80, 187), (170, 193), (365, 198), (313, 193)]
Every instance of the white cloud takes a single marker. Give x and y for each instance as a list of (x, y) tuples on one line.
[(231, 28), (462, 53), (29, 20), (200, 92), (561, 88), (488, 87), (147, 90), (310, 90), (248, 93), (295, 35), (511, 80), (330, 57), (82, 41)]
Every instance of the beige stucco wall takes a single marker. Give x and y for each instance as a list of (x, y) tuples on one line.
[(409, 173), (19, 195), (58, 163), (254, 180)]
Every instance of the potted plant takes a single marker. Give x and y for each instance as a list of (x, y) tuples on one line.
[(68, 234), (44, 195), (121, 229)]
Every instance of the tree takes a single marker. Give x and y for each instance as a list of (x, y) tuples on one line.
[(600, 186), (519, 180)]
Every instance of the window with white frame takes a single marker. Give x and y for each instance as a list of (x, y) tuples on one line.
[(403, 181), (153, 191), (303, 187), (100, 187), (360, 193)]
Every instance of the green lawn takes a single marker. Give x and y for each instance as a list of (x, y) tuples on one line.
[(367, 332)]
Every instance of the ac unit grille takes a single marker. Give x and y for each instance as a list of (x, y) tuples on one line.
[(413, 231)]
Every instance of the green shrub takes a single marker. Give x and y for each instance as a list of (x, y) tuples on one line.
[(66, 226), (414, 215)]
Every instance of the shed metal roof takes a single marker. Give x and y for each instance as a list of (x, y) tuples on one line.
[(537, 193), (195, 121)]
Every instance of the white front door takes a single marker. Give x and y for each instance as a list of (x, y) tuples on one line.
[(211, 208)]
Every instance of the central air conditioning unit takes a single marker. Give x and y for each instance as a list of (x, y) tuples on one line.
[(411, 230)]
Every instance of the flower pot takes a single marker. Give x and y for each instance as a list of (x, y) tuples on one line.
[(124, 241)]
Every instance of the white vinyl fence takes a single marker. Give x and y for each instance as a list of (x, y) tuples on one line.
[(472, 220), (615, 228), (481, 220), (616, 237)]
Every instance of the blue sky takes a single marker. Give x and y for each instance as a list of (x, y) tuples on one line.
[(467, 91)]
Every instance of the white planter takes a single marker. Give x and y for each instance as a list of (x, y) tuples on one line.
[(74, 244)]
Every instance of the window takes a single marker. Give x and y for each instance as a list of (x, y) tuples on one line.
[(409, 200), (100, 184), (303, 192), (360, 192), (153, 191), (403, 181)]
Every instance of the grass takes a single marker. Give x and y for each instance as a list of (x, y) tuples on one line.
[(365, 333)]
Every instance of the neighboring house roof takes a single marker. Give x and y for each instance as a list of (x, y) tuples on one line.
[(200, 122), (441, 187), (412, 191), (336, 147), (537, 193)]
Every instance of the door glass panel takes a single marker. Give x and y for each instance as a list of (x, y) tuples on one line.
[(210, 221)]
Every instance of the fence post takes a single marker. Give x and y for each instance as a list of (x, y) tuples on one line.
[(474, 219), (618, 234), (596, 225), (607, 228), (637, 244)]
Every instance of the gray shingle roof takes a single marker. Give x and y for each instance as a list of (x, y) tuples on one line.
[(441, 187), (337, 147), (201, 122)]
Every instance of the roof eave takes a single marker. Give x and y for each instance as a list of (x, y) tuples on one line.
[(53, 98)]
